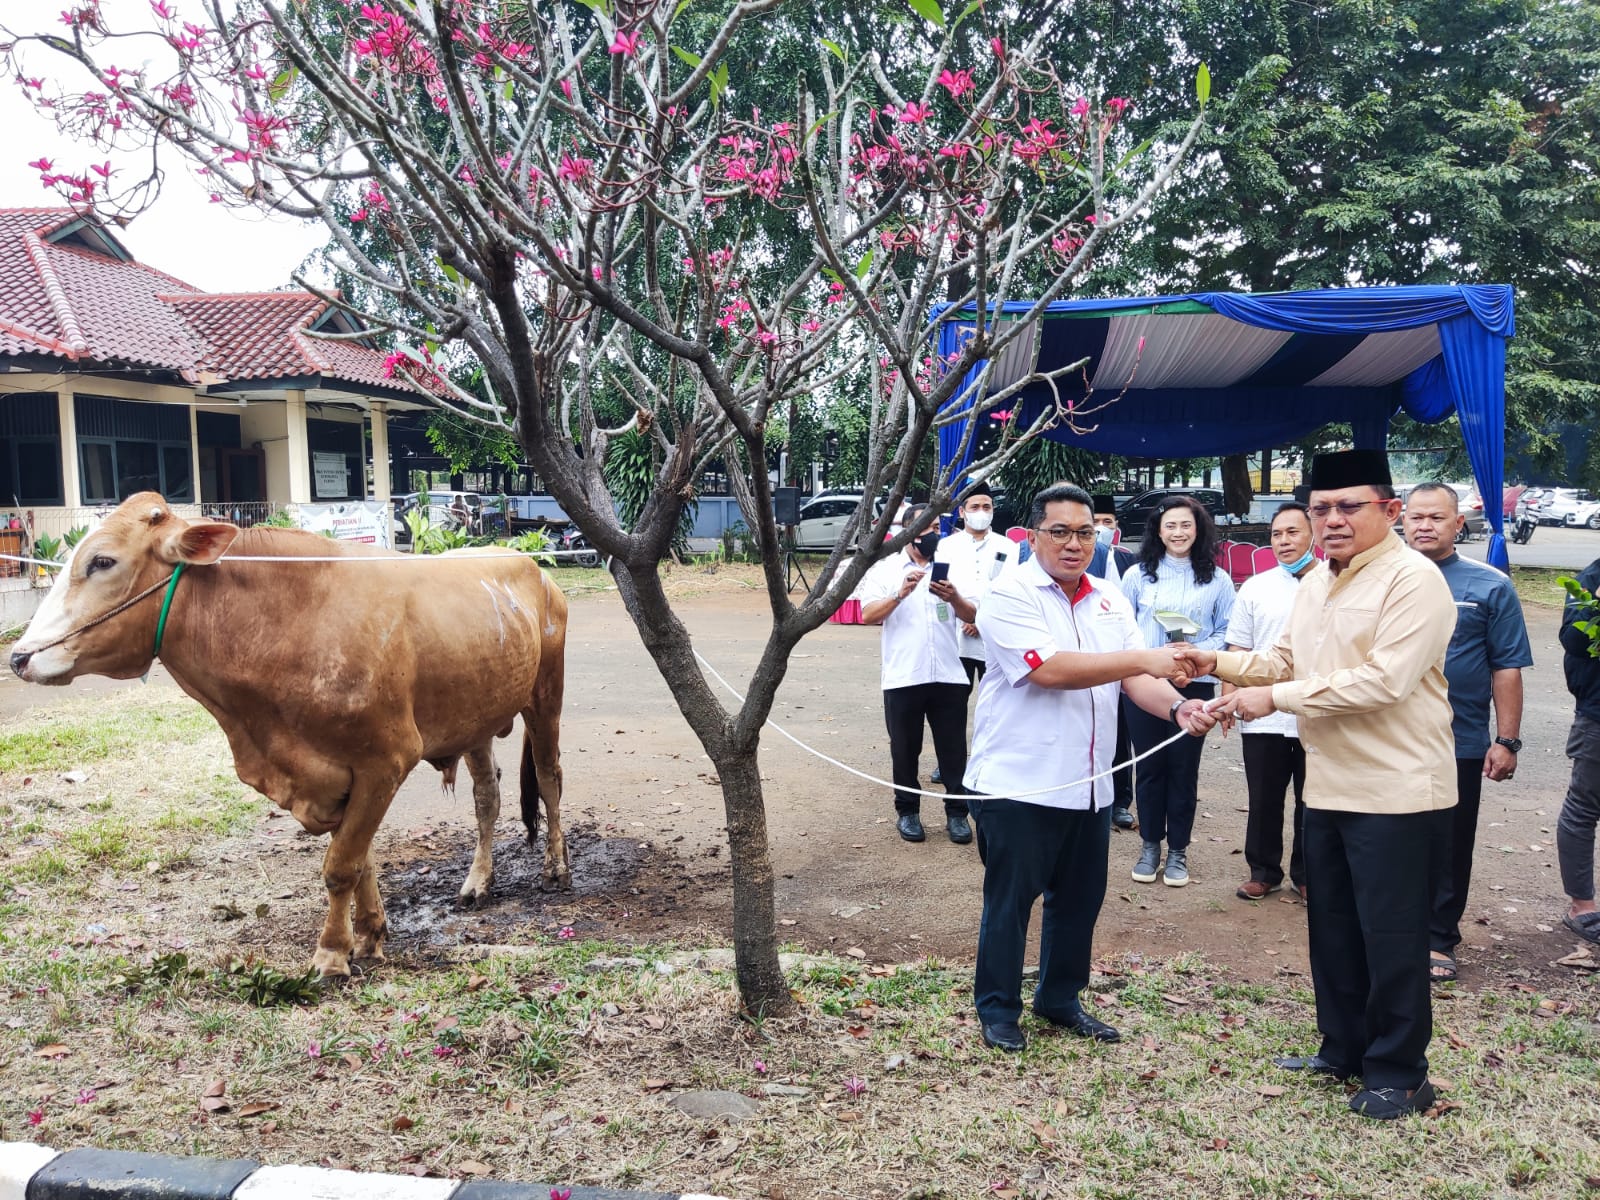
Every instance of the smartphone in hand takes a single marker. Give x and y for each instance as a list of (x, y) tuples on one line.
[(941, 572)]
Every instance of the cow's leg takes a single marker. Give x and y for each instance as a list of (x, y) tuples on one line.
[(346, 862), (542, 733), (486, 802), (371, 925)]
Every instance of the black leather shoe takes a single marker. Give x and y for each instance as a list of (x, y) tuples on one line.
[(910, 827), (1121, 817), (959, 829), (1390, 1104), (1312, 1064), (1080, 1023), (1004, 1035)]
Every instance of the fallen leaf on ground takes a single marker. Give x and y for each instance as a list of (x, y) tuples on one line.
[(55, 1050), (473, 1167), (1271, 1090), (400, 1124), (256, 1107)]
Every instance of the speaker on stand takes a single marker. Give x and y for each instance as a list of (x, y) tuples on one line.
[(786, 515)]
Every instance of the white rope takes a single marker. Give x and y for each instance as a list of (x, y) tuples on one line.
[(335, 558), (338, 558), (942, 795)]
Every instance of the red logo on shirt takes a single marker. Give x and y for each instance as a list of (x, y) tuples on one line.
[(1105, 605), (1033, 660)]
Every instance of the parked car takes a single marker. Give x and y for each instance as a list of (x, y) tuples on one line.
[(1567, 502), (1584, 512), (824, 517), (1134, 516), (1550, 509), (440, 509)]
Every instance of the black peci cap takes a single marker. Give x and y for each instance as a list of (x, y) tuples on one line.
[(1104, 504), (1350, 468)]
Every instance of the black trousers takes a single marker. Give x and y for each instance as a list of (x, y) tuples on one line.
[(1028, 851), (1271, 764), (975, 668), (944, 707), (1455, 832), (1122, 781), (1580, 811), (1368, 908), (1169, 782)]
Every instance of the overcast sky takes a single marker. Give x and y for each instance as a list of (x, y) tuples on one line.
[(207, 245)]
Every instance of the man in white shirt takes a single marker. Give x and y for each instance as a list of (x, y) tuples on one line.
[(1273, 756), (976, 555), (922, 679), (1062, 648)]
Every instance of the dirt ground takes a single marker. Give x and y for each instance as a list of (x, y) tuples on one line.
[(649, 852)]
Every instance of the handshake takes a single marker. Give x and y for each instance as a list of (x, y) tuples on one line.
[(1180, 663)]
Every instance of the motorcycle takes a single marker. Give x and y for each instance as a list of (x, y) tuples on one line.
[(571, 539), (1522, 529)]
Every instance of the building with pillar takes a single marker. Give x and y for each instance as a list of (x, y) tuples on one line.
[(116, 378)]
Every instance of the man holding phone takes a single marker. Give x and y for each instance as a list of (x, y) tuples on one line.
[(923, 680)]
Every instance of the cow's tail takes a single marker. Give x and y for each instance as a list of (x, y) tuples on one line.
[(529, 789)]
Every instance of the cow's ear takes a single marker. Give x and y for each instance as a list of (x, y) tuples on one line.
[(198, 543)]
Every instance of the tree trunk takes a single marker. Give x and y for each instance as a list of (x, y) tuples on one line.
[(1236, 491), (755, 939)]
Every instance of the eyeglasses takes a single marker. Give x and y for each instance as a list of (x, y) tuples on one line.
[(1347, 508), (1061, 535)]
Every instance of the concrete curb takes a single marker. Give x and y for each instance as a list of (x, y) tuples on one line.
[(31, 1172)]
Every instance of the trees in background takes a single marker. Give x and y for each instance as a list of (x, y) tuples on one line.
[(582, 199)]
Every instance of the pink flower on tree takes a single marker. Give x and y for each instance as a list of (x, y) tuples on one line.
[(914, 113), (575, 169), (957, 83), (626, 42)]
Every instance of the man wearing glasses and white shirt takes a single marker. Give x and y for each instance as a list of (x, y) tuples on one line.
[(1062, 647)]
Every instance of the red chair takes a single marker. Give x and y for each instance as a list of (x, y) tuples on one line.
[(1018, 534), (1235, 559), (1263, 560)]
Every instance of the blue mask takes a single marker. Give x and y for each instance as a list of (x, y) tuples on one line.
[(1103, 535), (1304, 561)]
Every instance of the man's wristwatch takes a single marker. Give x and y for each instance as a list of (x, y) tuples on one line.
[(1172, 713), (1512, 744)]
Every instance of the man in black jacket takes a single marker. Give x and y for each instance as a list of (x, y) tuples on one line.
[(1581, 809)]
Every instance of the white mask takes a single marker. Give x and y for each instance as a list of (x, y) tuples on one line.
[(979, 520)]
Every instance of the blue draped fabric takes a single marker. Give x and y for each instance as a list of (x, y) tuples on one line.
[(1273, 405)]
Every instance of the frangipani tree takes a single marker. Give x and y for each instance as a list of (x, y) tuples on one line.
[(574, 195)]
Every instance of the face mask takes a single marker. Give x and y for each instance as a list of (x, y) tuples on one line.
[(928, 544), (1301, 564), (1103, 535), (979, 520)]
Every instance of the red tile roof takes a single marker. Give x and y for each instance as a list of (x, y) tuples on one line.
[(66, 299)]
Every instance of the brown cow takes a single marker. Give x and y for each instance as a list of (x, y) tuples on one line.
[(332, 679)]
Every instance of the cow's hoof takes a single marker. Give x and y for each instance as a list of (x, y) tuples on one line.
[(473, 897), (369, 948), (561, 882), (331, 964)]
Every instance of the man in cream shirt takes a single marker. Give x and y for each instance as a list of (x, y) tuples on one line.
[(1361, 664)]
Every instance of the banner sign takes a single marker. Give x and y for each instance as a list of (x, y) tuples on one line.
[(353, 521)]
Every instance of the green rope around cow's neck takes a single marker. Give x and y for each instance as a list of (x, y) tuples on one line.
[(166, 605)]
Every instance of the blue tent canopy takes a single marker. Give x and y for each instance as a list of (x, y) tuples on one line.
[(1217, 373)]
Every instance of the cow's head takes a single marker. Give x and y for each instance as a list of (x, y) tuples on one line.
[(134, 549)]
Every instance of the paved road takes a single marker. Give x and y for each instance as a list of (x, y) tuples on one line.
[(1551, 546)]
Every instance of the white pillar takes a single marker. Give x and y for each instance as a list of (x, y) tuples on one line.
[(380, 451), (71, 482), (194, 455), (294, 405)]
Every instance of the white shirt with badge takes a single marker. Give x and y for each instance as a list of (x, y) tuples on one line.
[(1259, 614), (1027, 737), (974, 566), (921, 634)]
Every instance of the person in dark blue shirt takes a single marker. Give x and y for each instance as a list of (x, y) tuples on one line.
[(1484, 664), (1581, 809)]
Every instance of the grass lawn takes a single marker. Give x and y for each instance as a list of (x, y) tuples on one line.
[(143, 1011)]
